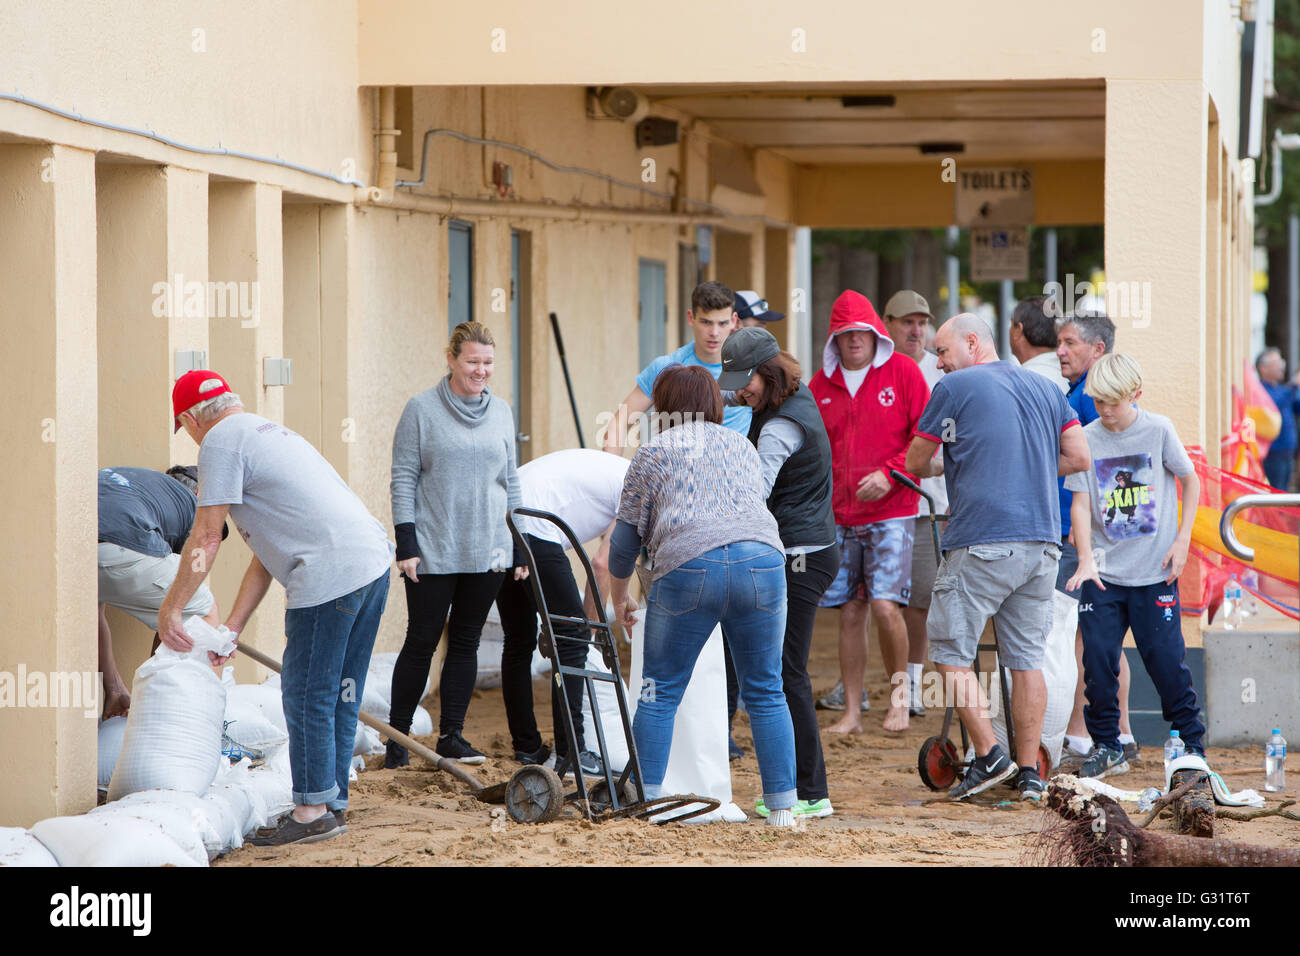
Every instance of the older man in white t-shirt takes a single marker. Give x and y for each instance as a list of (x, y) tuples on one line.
[(582, 487), (908, 318)]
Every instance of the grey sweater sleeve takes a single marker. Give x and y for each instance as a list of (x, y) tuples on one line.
[(514, 499), (406, 465), (779, 439)]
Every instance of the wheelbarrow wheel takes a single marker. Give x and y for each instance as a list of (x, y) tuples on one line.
[(534, 795), (938, 763), (1044, 763), (600, 798)]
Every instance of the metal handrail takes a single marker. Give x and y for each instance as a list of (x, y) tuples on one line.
[(1235, 547)]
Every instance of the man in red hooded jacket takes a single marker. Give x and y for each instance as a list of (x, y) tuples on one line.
[(871, 399)]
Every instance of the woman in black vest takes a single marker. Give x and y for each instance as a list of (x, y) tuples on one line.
[(795, 453)]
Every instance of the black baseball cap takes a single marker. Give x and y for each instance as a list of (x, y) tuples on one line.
[(743, 351), (751, 305)]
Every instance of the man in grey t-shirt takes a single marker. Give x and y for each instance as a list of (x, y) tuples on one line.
[(308, 531)]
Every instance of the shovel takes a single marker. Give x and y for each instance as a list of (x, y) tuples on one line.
[(493, 794)]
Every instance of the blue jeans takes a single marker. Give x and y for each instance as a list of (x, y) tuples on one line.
[(322, 678), (1152, 612), (741, 585)]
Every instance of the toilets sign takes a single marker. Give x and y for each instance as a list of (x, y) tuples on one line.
[(994, 196)]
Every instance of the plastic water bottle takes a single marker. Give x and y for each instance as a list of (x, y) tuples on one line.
[(1232, 605), (1250, 586), (1275, 763), (1174, 748)]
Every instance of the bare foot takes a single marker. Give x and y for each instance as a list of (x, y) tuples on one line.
[(896, 719), (846, 725)]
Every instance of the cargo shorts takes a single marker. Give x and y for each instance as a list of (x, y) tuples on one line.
[(1011, 582)]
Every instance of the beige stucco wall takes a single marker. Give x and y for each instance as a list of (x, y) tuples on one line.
[(1002, 39)]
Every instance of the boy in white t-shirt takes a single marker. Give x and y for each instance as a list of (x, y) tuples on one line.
[(1132, 548)]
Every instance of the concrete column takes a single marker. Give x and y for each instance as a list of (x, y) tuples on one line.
[(778, 280), (1155, 234), (245, 313), (48, 719), (152, 249)]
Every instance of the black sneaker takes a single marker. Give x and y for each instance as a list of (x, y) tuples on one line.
[(1102, 762), (455, 747), (395, 755), (984, 772), (1071, 760), (538, 756), (290, 831), (1030, 784), (1131, 751)]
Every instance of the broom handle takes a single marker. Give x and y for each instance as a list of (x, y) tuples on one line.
[(442, 763)]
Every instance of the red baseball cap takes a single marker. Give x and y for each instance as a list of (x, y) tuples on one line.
[(196, 385)]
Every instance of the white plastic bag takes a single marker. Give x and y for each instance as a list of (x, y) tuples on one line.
[(19, 848), (698, 761), (110, 840), (173, 730), (1060, 674), (273, 784), (607, 701), (111, 734)]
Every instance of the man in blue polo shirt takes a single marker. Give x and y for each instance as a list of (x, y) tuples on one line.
[(1081, 339)]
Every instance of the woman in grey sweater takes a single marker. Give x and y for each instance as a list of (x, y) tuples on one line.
[(453, 482)]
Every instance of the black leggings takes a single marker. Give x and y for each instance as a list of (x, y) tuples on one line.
[(519, 622), (807, 576), (468, 597)]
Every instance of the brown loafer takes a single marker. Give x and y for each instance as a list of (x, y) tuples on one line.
[(290, 831)]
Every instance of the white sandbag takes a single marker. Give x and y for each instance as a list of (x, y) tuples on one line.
[(110, 840), (19, 848), (274, 784), (182, 816), (111, 734), (173, 730), (698, 760), (367, 741), (265, 700), (1060, 674), (246, 719), (238, 801), (376, 699), (607, 701)]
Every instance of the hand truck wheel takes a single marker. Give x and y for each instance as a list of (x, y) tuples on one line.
[(534, 795), (1044, 762), (938, 763)]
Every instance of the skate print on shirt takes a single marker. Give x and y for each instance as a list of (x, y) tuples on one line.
[(1128, 503)]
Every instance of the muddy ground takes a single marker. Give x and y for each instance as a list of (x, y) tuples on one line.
[(883, 813)]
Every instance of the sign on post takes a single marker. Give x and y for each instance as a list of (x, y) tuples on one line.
[(999, 253), (994, 196)]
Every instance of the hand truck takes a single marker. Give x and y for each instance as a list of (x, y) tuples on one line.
[(535, 793)]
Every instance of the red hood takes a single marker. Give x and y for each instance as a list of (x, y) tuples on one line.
[(853, 310)]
